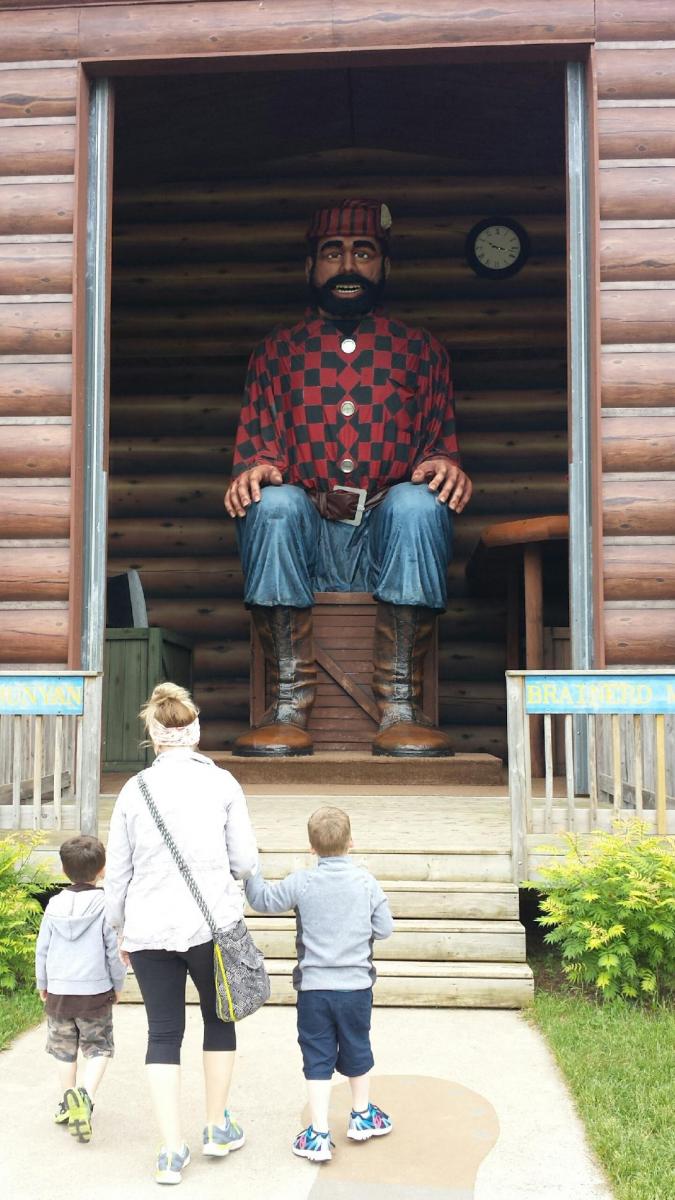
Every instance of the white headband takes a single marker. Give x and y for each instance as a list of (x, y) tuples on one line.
[(174, 735)]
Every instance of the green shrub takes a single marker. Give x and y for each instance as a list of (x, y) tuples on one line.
[(20, 911), (609, 903)]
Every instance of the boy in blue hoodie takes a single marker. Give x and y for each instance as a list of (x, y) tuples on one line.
[(339, 910), (79, 976)]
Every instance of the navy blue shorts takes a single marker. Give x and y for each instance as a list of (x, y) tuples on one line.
[(334, 1033)]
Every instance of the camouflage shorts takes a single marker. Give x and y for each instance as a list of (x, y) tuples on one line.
[(92, 1035)]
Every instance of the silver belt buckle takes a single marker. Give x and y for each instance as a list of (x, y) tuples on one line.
[(360, 506)]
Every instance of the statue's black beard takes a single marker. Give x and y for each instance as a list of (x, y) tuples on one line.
[(324, 297)]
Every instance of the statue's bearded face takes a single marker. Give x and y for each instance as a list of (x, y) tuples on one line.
[(347, 275)]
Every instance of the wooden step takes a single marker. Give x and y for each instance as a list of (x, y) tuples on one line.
[(469, 866), (437, 899), (419, 941), (350, 768), (411, 984)]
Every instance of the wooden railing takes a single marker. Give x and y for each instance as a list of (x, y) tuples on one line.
[(621, 722), (50, 726)]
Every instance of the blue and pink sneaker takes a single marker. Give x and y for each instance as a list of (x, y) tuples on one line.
[(371, 1123), (311, 1144)]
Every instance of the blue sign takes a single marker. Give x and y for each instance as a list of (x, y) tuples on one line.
[(41, 695), (602, 693)]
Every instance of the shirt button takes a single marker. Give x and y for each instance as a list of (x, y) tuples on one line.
[(348, 408), (347, 465), (348, 345)]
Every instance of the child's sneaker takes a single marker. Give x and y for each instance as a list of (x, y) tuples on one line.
[(371, 1123), (170, 1166), (220, 1139), (79, 1113), (61, 1114), (317, 1147)]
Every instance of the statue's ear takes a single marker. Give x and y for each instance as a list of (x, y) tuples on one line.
[(386, 266), (309, 266)]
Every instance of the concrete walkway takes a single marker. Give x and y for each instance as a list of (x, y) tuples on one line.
[(480, 1113)]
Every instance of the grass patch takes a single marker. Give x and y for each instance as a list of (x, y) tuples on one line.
[(19, 1010), (619, 1061)]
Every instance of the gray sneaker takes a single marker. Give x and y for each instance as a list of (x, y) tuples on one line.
[(170, 1166), (220, 1139)]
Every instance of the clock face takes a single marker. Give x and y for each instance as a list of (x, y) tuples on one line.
[(497, 248)]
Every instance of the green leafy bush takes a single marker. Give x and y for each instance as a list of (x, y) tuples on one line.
[(20, 911), (609, 903)]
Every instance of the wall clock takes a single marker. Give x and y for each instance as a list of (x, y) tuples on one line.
[(497, 247)]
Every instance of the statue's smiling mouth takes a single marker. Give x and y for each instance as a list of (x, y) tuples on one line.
[(347, 290)]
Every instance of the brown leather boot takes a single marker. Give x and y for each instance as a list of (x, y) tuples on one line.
[(286, 638), (402, 638)]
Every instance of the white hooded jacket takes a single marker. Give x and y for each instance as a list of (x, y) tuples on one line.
[(76, 951)]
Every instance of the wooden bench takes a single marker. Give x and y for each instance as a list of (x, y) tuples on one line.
[(344, 716)]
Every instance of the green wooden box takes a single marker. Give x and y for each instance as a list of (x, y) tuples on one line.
[(135, 660)]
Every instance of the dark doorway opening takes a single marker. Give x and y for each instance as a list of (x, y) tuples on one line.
[(214, 178)]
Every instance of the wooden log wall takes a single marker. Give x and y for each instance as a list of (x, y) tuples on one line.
[(202, 268), (636, 127), (37, 157)]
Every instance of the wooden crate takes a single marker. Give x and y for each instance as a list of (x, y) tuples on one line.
[(135, 661), (344, 716)]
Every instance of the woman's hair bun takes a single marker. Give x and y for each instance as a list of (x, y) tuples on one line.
[(171, 705)]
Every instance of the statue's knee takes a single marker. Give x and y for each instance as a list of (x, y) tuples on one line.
[(280, 503), (414, 504)]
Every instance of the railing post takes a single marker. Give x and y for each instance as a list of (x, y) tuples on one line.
[(517, 734), (89, 780)]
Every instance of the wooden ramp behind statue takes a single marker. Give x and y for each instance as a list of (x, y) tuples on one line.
[(443, 856)]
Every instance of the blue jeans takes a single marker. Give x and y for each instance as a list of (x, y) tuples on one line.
[(400, 552)]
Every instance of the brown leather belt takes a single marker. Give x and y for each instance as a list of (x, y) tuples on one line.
[(346, 504)]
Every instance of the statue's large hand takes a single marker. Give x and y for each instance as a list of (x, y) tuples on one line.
[(455, 486), (245, 489)]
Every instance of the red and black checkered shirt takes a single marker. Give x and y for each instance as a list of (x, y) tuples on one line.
[(325, 416)]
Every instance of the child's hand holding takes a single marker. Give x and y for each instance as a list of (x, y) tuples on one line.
[(42, 992)]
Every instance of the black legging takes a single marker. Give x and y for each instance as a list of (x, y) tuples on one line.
[(161, 976)]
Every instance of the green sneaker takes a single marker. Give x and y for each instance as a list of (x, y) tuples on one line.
[(218, 1140), (61, 1114), (79, 1113)]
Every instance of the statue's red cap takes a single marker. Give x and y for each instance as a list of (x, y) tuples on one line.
[(351, 218)]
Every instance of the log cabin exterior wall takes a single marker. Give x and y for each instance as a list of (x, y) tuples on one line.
[(635, 66), (635, 111)]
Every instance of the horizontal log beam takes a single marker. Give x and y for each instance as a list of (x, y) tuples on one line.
[(636, 133), (42, 451), (290, 198), (37, 268), (37, 92), (636, 74), (638, 254), (639, 443), (637, 380), (34, 573), (642, 507), (644, 193), (37, 150), (283, 240), (642, 572), (639, 635), (643, 315), (35, 389), (200, 496), (36, 208), (633, 20), (33, 635), (35, 328), (34, 512), (180, 577), (249, 282)]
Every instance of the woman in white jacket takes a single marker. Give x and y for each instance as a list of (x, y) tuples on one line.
[(163, 933)]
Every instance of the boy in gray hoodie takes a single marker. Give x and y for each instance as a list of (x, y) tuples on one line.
[(79, 976), (339, 910)]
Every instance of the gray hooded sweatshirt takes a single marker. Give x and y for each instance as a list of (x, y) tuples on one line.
[(76, 952)]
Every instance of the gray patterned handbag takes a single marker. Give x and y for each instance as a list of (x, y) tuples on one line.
[(242, 983)]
